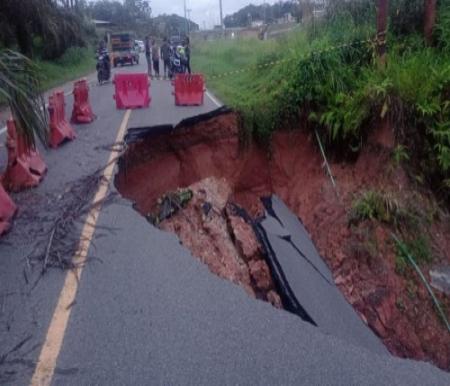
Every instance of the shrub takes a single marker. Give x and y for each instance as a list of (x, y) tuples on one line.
[(400, 154), (373, 205), (418, 248)]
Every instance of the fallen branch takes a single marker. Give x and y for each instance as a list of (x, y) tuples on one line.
[(49, 246), (327, 165)]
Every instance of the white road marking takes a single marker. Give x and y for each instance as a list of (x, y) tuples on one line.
[(45, 367), (214, 100)]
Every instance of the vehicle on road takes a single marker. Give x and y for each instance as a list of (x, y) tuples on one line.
[(140, 46), (178, 61), (103, 66), (123, 49)]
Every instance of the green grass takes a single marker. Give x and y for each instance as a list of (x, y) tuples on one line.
[(418, 247), (380, 206), (220, 57), (268, 94), (341, 92), (75, 62)]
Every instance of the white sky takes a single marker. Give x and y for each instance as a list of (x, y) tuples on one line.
[(204, 12)]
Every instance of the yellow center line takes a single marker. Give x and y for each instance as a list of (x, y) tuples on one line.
[(46, 364)]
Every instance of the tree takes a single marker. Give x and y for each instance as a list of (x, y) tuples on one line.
[(382, 22), (22, 22), (19, 85), (429, 20), (267, 13), (168, 25), (127, 14)]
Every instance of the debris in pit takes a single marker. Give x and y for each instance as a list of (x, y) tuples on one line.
[(210, 228), (169, 205)]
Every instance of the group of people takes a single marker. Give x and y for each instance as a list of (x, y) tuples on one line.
[(165, 53)]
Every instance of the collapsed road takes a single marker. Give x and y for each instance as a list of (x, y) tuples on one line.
[(303, 281), (146, 310), (201, 166)]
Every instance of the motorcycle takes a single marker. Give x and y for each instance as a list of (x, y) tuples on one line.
[(177, 62), (103, 67)]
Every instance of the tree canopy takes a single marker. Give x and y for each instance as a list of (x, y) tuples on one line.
[(168, 25), (42, 27), (127, 13), (265, 12)]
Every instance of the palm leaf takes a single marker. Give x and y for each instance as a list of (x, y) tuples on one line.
[(19, 86)]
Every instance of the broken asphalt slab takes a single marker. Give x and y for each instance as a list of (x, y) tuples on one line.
[(151, 313), (303, 273)]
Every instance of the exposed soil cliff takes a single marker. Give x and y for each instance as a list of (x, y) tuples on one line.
[(207, 158)]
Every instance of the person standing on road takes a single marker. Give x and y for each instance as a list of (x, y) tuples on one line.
[(148, 55), (155, 58), (165, 56), (187, 52)]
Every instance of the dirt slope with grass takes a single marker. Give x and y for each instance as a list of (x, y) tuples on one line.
[(366, 265)]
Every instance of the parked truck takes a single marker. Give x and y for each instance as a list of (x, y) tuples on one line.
[(123, 49)]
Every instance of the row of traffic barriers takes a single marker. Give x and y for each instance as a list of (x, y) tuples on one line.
[(25, 166), (132, 91), (7, 210)]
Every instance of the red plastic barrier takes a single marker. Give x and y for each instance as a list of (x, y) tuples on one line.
[(189, 89), (25, 167), (7, 210), (82, 110), (60, 130), (132, 91)]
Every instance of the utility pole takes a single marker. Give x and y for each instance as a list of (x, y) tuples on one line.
[(264, 9), (188, 11), (221, 15), (186, 20)]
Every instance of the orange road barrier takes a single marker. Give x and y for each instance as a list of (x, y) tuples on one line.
[(7, 210), (26, 167), (82, 110), (60, 130), (189, 89), (132, 91)]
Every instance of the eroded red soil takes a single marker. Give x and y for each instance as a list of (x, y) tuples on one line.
[(362, 258), (210, 228)]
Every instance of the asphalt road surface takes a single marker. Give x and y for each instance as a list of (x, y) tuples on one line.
[(144, 310)]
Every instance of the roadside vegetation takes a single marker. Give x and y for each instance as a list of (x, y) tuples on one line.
[(74, 63), (343, 91), (58, 38), (404, 215)]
